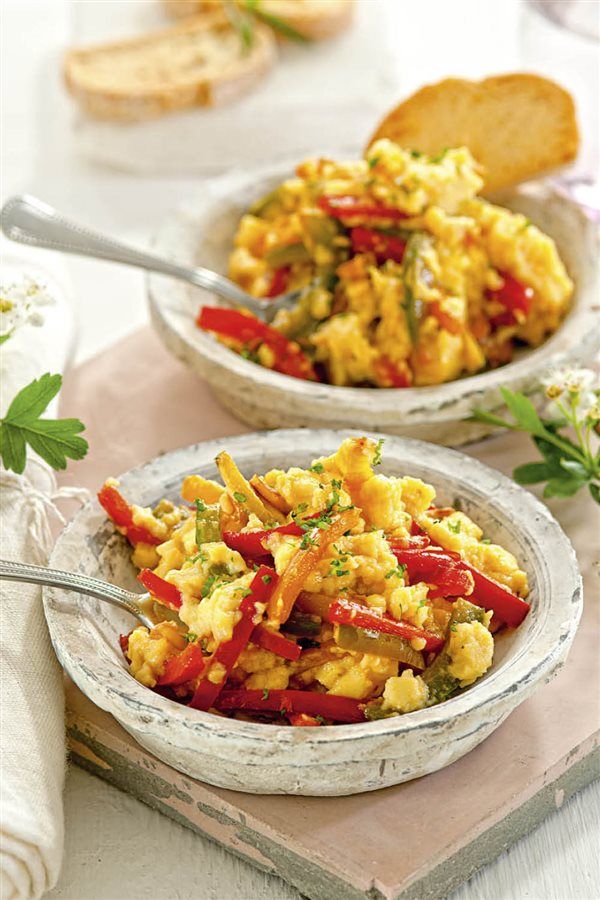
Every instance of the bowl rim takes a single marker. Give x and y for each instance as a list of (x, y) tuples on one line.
[(178, 233), (139, 707)]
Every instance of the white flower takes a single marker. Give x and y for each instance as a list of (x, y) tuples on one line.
[(20, 303), (571, 381)]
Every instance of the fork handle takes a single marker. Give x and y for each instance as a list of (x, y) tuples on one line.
[(75, 581), (31, 221)]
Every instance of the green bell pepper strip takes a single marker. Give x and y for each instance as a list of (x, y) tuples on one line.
[(440, 683), (392, 646)]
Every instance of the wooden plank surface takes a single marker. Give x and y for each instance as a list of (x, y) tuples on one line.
[(136, 402)]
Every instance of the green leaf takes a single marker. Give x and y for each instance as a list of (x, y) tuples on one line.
[(12, 448), (31, 402), (551, 454), (481, 415), (563, 487), (4, 337), (523, 410), (595, 491), (55, 440), (532, 473), (576, 469)]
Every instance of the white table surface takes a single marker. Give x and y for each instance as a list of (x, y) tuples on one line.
[(116, 847)]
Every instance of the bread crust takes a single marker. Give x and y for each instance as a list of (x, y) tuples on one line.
[(315, 19), (229, 76), (518, 126)]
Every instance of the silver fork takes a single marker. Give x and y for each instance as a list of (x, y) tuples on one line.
[(27, 220), (83, 584)]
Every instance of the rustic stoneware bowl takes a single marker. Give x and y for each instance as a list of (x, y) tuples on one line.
[(343, 759), (202, 233)]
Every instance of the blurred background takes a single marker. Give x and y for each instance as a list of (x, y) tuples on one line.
[(326, 95)]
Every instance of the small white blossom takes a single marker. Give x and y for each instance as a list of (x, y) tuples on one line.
[(20, 303), (569, 380)]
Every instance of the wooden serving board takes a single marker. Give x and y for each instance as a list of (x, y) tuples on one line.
[(417, 840)]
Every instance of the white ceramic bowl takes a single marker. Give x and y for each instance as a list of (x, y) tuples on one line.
[(201, 233), (342, 759)]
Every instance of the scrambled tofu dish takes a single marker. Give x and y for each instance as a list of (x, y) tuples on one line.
[(408, 277), (319, 596)]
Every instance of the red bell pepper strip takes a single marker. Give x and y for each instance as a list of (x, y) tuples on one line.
[(275, 642), (447, 573), (302, 720), (347, 207), (486, 593), (162, 590), (251, 543), (492, 595), (329, 706), (251, 332), (390, 374), (184, 667), (516, 299), (120, 512), (279, 281), (227, 653), (344, 612), (124, 644), (384, 246)]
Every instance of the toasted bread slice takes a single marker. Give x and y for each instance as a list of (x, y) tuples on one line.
[(519, 126), (200, 62), (314, 19)]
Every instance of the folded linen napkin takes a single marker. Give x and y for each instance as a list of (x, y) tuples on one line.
[(32, 759)]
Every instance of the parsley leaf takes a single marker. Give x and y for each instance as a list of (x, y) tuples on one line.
[(241, 498), (377, 457), (55, 440), (455, 526), (317, 467)]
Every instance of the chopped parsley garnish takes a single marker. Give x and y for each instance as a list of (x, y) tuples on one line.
[(440, 156), (245, 592), (302, 507), (455, 526), (415, 154), (398, 572), (199, 557), (191, 637), (377, 457), (265, 695), (208, 585), (373, 162), (318, 468), (267, 579), (200, 505), (485, 541), (307, 541), (336, 567), (241, 498), (320, 720)]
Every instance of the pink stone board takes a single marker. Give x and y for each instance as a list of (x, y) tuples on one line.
[(136, 402)]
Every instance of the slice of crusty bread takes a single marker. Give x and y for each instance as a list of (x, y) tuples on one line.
[(519, 126), (315, 19), (200, 62)]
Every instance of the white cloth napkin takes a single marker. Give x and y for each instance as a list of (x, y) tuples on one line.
[(32, 760)]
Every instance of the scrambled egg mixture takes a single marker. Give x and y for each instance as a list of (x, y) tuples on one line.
[(410, 277), (334, 591)]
